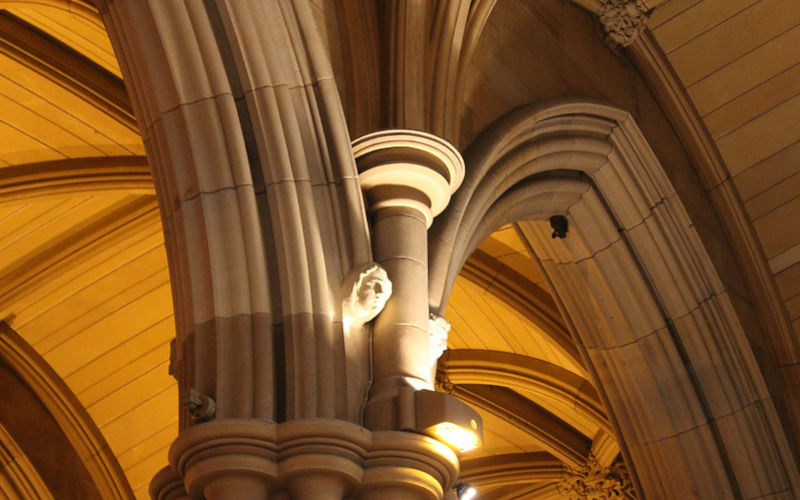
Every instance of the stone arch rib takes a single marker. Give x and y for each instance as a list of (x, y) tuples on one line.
[(76, 424), (18, 477), (639, 291), (526, 375)]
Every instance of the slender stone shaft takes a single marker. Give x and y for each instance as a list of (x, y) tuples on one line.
[(408, 177)]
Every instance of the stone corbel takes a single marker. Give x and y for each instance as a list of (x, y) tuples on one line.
[(621, 21)]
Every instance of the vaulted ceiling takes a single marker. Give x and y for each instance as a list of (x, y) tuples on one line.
[(83, 273)]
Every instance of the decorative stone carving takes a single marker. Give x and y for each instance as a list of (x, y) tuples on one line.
[(438, 328), (368, 295), (443, 382), (201, 407), (622, 20), (595, 482)]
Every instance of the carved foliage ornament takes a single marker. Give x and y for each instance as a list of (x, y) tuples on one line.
[(443, 382), (595, 482), (368, 295), (622, 20)]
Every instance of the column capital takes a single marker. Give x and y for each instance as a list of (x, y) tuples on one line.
[(408, 168)]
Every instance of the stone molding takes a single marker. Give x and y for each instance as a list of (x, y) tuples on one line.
[(83, 175), (309, 458), (85, 9), (553, 434), (524, 375), (512, 468)]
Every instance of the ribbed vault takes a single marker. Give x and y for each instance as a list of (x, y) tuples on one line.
[(689, 361)]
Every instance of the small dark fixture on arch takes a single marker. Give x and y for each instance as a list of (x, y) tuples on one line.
[(559, 225)]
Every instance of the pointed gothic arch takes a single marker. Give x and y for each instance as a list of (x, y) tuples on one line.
[(651, 315)]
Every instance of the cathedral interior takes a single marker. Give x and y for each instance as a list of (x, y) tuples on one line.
[(277, 249)]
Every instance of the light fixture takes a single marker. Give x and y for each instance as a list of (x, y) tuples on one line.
[(447, 419), (456, 436), (465, 491)]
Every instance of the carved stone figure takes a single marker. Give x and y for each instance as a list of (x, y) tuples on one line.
[(592, 481), (622, 20), (438, 328), (368, 295), (201, 408)]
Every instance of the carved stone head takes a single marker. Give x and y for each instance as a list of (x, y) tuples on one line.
[(438, 328), (368, 295)]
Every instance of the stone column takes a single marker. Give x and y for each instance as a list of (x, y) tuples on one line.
[(408, 177)]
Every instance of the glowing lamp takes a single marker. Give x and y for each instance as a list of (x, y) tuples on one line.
[(456, 436), (449, 420), (466, 491)]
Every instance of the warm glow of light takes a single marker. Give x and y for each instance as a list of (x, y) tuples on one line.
[(456, 436), (468, 494)]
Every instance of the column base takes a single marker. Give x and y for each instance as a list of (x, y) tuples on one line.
[(316, 459)]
